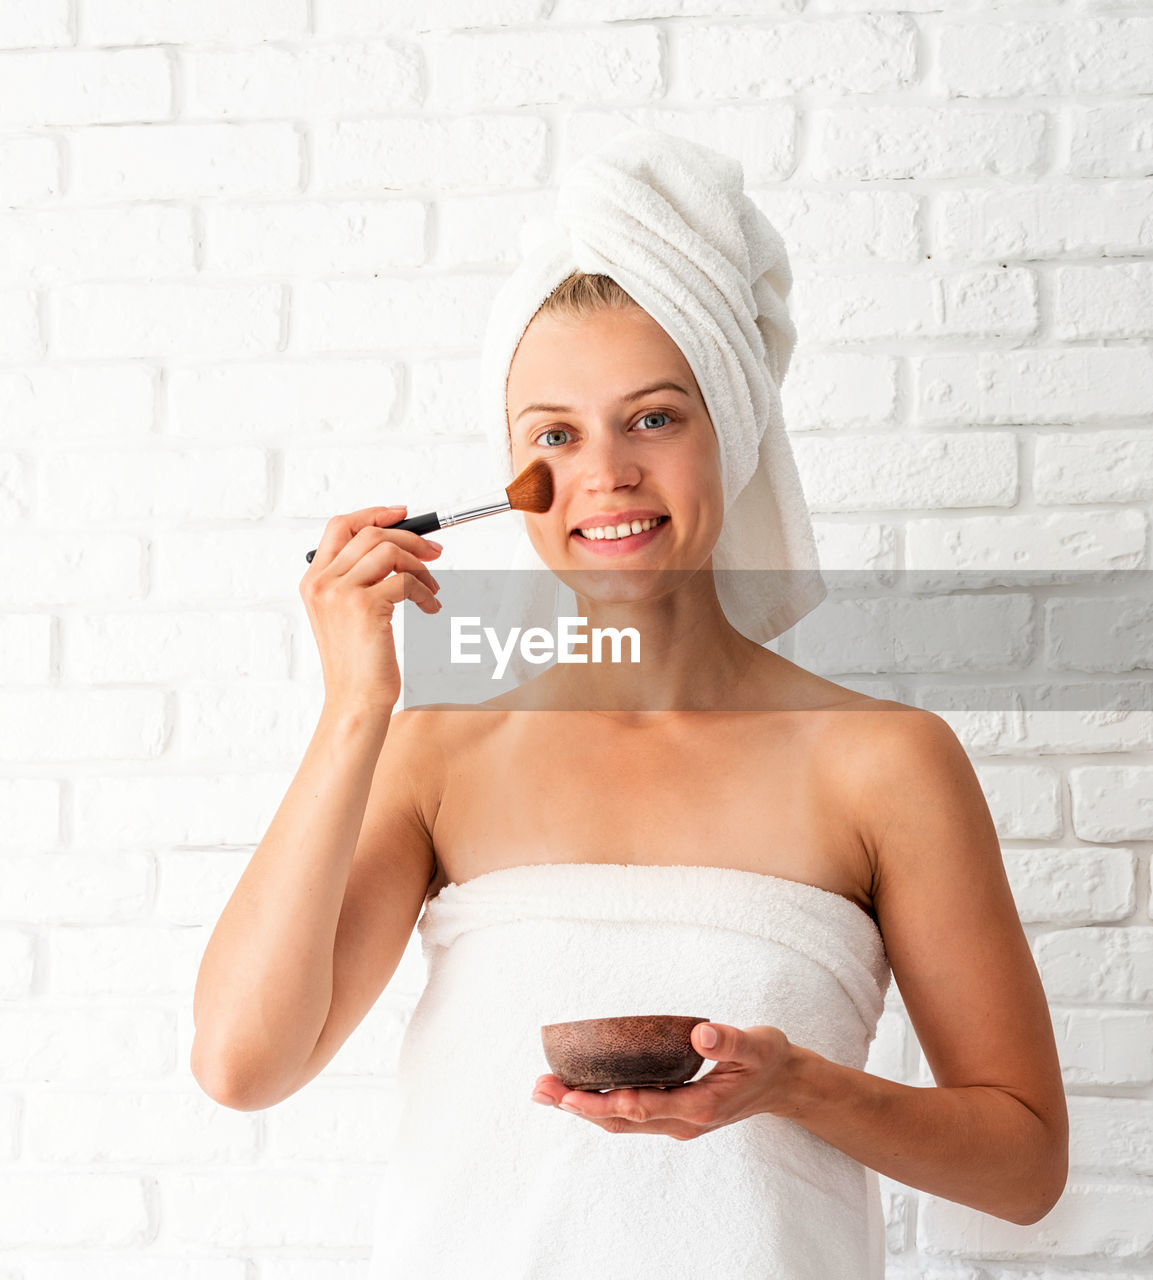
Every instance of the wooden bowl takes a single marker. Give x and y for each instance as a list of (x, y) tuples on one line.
[(649, 1050)]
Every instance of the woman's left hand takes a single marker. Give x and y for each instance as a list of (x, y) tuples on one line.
[(748, 1080)]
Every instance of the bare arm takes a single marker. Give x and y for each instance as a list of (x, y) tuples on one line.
[(994, 1132), (264, 992)]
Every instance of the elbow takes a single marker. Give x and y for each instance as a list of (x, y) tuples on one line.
[(1045, 1189)]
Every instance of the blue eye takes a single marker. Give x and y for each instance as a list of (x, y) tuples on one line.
[(656, 413), (555, 431)]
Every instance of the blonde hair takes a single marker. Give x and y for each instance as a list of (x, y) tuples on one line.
[(582, 294)]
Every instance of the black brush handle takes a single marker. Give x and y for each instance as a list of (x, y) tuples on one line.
[(427, 523)]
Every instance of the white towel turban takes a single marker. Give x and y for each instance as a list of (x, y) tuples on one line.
[(669, 221)]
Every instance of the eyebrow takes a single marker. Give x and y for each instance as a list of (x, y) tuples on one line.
[(632, 395)]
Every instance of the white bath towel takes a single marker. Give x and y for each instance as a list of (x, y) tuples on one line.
[(669, 220), (485, 1184)]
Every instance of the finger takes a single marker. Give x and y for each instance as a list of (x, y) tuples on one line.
[(386, 557), (342, 528), (373, 536), (406, 586)]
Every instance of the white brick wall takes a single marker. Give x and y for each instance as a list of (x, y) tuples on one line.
[(246, 255)]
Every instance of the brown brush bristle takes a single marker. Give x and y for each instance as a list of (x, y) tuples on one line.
[(532, 489)]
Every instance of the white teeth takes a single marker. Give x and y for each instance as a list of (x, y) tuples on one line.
[(619, 530)]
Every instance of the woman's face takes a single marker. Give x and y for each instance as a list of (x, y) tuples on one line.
[(616, 457)]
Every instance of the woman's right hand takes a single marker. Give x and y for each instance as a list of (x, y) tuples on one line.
[(360, 573)]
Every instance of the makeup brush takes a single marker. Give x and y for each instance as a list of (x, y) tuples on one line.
[(531, 491)]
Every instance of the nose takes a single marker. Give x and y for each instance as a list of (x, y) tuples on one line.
[(606, 462)]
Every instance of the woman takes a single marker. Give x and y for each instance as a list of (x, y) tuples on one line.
[(615, 836)]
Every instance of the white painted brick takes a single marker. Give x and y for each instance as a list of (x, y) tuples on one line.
[(860, 54), (15, 489), (1111, 1134), (79, 86), (151, 1265), (914, 141), (194, 885), (1101, 634), (17, 963), (462, 153), (860, 635), (1001, 60), (19, 326), (1112, 802), (10, 1113), (1111, 140), (28, 26), (26, 643), (321, 483), (145, 810), (78, 402), (1093, 466), (164, 162), (369, 17), (84, 487), (759, 135), (1111, 53), (324, 1124), (1075, 540), (311, 80), (129, 1126), (296, 239), (623, 10), (1107, 727), (478, 71), (275, 1267), (1072, 886), (1024, 800), (486, 229), (1035, 386), (887, 470), (331, 398), (843, 226), (1090, 1219), (74, 888), (839, 389), (266, 1208), (1106, 301), (848, 307), (45, 568), (57, 246), (854, 545), (82, 724), (390, 313), (1103, 1046), (264, 723), (105, 1210), (123, 961), (207, 21), (182, 320), (31, 809), (230, 567), (1098, 966), (442, 395), (1043, 220), (174, 647), (29, 170), (80, 1044)]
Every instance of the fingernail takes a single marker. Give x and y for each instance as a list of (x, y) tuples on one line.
[(708, 1037), (564, 1106), (542, 1097), (437, 545)]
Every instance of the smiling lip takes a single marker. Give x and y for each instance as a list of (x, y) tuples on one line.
[(618, 546), (619, 517)]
